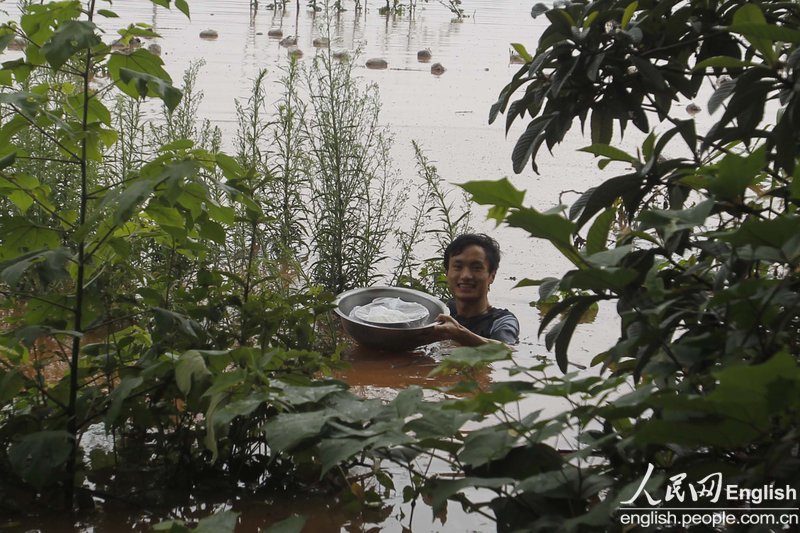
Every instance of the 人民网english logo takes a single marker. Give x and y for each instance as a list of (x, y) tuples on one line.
[(707, 501)]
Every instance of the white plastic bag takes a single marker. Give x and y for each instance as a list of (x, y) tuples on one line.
[(393, 312)]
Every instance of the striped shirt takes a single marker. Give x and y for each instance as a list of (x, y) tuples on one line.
[(497, 324)]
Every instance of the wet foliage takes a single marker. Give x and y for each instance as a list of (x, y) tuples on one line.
[(153, 292)]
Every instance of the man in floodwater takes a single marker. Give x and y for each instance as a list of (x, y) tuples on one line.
[(471, 262)]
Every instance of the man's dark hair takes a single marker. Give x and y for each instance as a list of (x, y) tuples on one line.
[(488, 244)]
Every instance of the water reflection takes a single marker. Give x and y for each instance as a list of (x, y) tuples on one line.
[(447, 115), (374, 373)]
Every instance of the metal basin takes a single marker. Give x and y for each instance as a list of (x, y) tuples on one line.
[(391, 339)]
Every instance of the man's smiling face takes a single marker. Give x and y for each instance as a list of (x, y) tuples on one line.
[(468, 274)]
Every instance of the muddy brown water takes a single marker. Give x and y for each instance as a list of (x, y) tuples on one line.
[(448, 115)]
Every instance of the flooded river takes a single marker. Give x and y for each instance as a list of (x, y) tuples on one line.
[(447, 114)]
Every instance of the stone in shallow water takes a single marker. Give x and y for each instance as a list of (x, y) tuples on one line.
[(377, 63), (209, 34)]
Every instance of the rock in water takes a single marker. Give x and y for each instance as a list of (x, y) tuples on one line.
[(377, 63)]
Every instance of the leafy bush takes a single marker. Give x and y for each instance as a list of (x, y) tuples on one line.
[(695, 241)]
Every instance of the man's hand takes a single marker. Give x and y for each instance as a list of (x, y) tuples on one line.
[(447, 328)]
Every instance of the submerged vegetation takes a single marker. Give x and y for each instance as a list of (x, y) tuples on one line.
[(176, 297), (156, 286)]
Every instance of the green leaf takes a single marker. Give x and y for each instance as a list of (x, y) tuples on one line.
[(286, 431), (529, 142), (172, 526), (212, 231), (333, 451), (484, 445), (127, 202), (597, 237), (165, 216), (303, 395), (222, 214), (407, 401), (720, 94), (765, 34), (50, 265), (293, 524), (141, 74), (602, 125), (520, 49), (106, 13), (650, 75), (147, 85), (191, 367), (70, 37), (628, 14), (6, 78), (722, 62), (437, 422), (554, 228), (40, 458), (567, 327), (28, 104), (604, 195), (750, 22), (608, 151), (183, 7), (19, 236), (120, 393), (11, 383), (671, 221), (473, 357), (609, 258), (500, 193), (601, 279), (441, 490), (773, 232), (736, 173), (539, 9), (220, 522), (229, 166)]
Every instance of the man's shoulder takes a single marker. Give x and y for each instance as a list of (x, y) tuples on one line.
[(498, 312)]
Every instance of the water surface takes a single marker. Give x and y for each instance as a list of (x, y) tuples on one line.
[(448, 115)]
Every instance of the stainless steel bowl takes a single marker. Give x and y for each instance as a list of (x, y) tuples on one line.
[(391, 339)]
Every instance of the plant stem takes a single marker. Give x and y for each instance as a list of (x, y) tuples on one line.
[(72, 415)]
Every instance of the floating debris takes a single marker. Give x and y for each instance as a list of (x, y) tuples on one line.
[(377, 63), (437, 69), (121, 45), (209, 35), (693, 109), (341, 54), (424, 55), (275, 32), (321, 42)]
